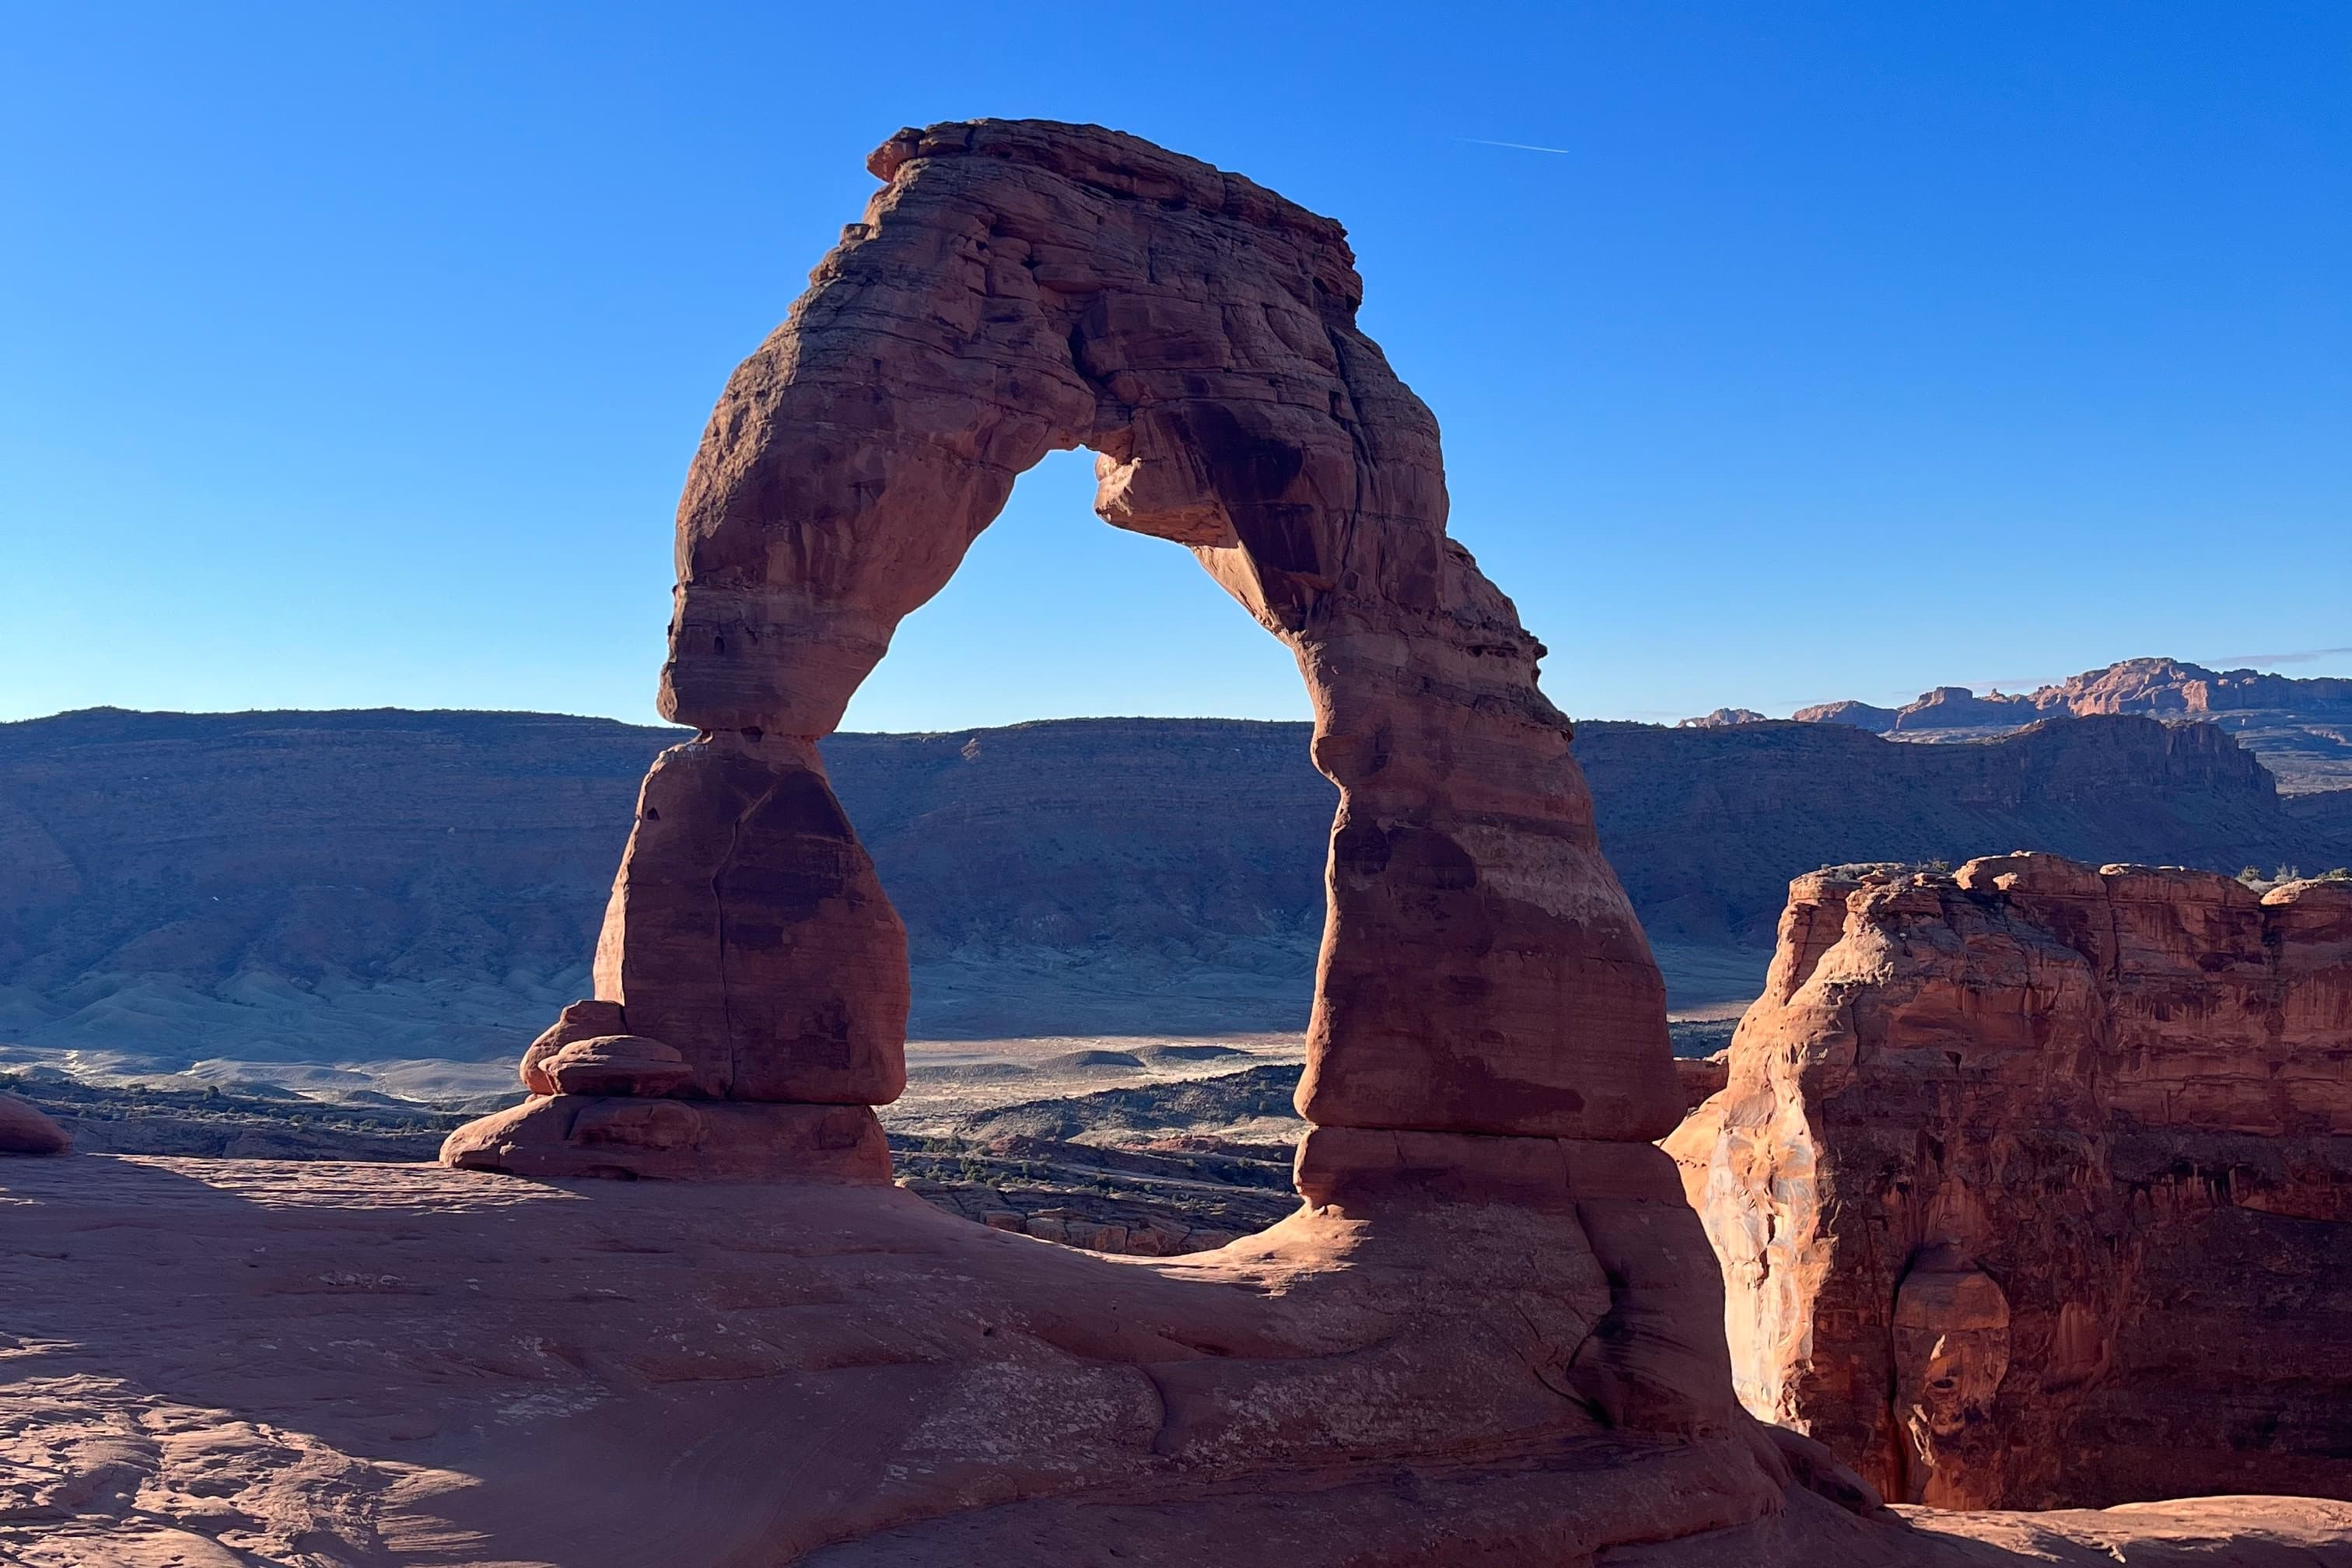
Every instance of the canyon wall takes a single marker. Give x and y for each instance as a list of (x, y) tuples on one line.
[(321, 886), (2031, 1183)]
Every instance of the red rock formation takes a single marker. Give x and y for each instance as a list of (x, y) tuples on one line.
[(2301, 728), (27, 1130), (2058, 1157), (1019, 288), (1493, 1330), (395, 1364), (2171, 686), (1858, 715)]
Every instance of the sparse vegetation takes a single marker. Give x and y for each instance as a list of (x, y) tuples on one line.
[(1860, 870)]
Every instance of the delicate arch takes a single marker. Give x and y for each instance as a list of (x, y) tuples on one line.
[(1017, 287)]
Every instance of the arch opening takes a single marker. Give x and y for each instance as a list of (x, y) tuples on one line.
[(1158, 880)]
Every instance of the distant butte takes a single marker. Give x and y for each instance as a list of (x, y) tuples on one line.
[(2301, 729)]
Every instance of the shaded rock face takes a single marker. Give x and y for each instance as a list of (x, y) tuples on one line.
[(336, 887), (2031, 1186), (27, 1130), (401, 1365), (1019, 288)]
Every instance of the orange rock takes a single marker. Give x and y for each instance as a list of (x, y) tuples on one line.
[(580, 1021), (616, 1064), (673, 1139), (1492, 1332), (2031, 1183), (1019, 288), (26, 1128), (403, 1365)]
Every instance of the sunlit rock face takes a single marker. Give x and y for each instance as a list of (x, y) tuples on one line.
[(2031, 1183), (1018, 288)]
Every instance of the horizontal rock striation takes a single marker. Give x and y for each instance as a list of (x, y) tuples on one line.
[(2031, 1183)]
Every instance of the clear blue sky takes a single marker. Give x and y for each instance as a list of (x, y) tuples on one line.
[(353, 354)]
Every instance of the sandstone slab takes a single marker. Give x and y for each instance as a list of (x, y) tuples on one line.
[(664, 1139), (381, 1364)]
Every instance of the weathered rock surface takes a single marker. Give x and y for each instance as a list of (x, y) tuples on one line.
[(616, 1064), (379, 1364), (2031, 1183), (668, 1139), (26, 1129), (1019, 288)]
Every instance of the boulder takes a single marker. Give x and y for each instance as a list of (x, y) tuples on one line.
[(673, 1139), (616, 1064), (26, 1128), (580, 1021)]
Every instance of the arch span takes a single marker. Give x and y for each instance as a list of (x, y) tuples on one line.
[(1018, 288)]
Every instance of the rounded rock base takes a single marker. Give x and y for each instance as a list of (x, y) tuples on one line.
[(674, 1140), (25, 1129)]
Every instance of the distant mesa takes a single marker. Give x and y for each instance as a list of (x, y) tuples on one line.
[(1860, 715), (2301, 729), (1722, 718)]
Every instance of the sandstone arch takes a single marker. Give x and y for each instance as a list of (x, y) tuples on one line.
[(1018, 288), (1494, 1331)]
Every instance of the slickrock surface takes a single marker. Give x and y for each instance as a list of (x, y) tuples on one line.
[(380, 1364), (2033, 1185), (1018, 288)]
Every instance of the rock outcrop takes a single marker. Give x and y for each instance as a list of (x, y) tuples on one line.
[(397, 1364), (2031, 1183), (2301, 729), (1016, 289), (27, 1130)]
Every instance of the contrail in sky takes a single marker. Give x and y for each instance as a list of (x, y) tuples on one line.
[(2301, 655), (1521, 146)]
